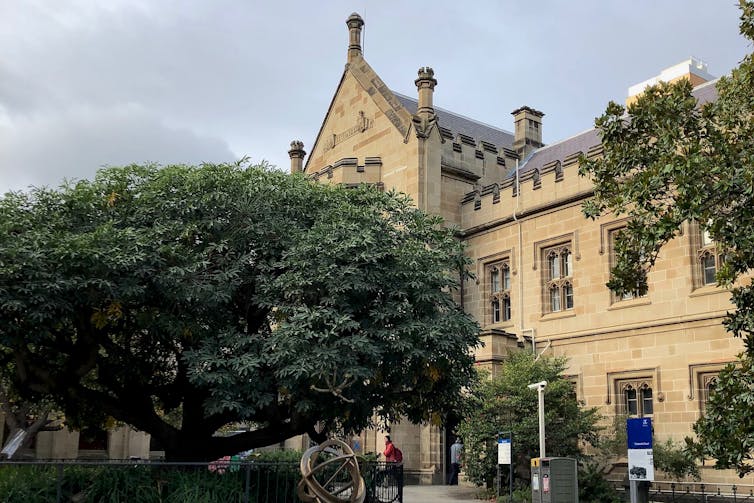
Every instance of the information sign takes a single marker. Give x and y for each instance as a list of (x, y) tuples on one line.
[(503, 451), (640, 458), (639, 432)]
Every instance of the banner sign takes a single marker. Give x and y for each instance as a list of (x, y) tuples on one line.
[(640, 458), (639, 433)]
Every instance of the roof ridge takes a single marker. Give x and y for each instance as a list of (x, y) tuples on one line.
[(456, 114)]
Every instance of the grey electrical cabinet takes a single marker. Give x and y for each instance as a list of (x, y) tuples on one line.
[(554, 480)]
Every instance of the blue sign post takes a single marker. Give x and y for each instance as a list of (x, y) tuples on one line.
[(639, 432), (640, 459)]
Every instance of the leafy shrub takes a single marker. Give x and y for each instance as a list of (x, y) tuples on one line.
[(519, 496), (675, 461), (274, 477), (28, 484), (199, 486), (146, 484), (276, 456), (277, 473), (121, 484), (76, 479), (505, 403), (593, 486)]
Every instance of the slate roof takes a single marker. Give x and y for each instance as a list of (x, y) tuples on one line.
[(460, 124), (581, 142), (560, 150)]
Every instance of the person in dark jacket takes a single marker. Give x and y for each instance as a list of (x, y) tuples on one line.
[(455, 462)]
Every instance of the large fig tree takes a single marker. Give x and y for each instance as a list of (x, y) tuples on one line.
[(180, 300)]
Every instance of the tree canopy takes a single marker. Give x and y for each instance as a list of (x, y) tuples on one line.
[(667, 160), (222, 294), (503, 403)]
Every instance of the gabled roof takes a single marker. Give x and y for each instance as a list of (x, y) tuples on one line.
[(324, 120), (383, 98), (460, 124)]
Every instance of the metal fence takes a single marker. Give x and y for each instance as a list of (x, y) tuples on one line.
[(384, 482), (136, 481), (697, 492)]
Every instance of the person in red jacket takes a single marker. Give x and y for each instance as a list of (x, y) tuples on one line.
[(389, 452), (394, 465)]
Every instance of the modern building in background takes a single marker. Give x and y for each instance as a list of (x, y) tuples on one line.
[(540, 265)]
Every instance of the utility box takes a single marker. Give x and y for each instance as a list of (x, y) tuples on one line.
[(554, 480)]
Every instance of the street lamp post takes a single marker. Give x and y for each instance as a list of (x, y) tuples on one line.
[(540, 387)]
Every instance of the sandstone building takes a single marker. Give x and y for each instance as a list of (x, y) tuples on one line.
[(541, 267)]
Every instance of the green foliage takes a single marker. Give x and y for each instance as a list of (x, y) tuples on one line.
[(276, 456), (369, 457), (24, 484), (270, 480), (225, 294), (504, 403), (206, 487), (666, 160), (613, 440), (120, 485), (726, 430), (593, 486), (146, 484), (675, 460), (519, 496), (277, 464)]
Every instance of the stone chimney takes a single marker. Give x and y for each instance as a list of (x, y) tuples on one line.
[(528, 132), (425, 84), (354, 23), (297, 153)]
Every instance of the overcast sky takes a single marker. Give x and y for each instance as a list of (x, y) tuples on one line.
[(84, 84)]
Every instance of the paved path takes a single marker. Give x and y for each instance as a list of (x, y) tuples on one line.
[(440, 494)]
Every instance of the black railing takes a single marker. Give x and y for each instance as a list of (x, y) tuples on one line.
[(384, 482), (697, 492), (140, 481)]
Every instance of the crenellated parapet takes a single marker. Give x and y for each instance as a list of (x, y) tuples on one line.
[(548, 178), (475, 160), (344, 170)]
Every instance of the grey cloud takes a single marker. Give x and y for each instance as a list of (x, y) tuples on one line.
[(259, 74), (45, 149)]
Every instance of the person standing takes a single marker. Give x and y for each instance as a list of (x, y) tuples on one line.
[(394, 466), (389, 452), (455, 461)]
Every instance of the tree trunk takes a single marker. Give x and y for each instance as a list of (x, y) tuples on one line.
[(31, 432)]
